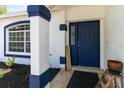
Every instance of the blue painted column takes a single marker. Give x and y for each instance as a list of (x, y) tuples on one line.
[(39, 29)]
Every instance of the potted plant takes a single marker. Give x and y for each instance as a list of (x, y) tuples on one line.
[(115, 66)]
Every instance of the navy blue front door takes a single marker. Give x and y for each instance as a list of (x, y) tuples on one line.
[(85, 43)]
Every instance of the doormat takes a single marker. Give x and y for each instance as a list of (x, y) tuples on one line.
[(54, 72), (81, 79)]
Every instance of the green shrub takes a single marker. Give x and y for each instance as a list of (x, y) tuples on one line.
[(1, 75), (10, 62), (3, 9)]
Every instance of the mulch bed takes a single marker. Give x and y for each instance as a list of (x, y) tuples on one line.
[(17, 78)]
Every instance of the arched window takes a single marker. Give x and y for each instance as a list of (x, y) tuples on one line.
[(17, 36)]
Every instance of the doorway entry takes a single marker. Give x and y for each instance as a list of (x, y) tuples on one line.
[(84, 40)]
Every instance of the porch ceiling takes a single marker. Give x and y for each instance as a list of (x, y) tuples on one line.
[(60, 7)]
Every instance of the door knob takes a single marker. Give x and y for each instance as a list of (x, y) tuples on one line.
[(50, 54)]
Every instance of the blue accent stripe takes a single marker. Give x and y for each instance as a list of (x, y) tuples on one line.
[(39, 10), (40, 81), (13, 55), (62, 60), (18, 22), (63, 27), (19, 56)]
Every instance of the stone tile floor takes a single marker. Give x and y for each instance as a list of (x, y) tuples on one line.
[(61, 79)]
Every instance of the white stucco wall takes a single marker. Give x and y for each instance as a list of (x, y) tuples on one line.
[(84, 12), (56, 38), (3, 22), (114, 33), (39, 45)]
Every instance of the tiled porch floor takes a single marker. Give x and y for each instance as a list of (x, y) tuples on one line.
[(62, 78)]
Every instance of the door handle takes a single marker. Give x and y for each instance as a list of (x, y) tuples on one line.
[(50, 54)]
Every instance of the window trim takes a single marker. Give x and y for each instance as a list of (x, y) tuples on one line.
[(25, 55)]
